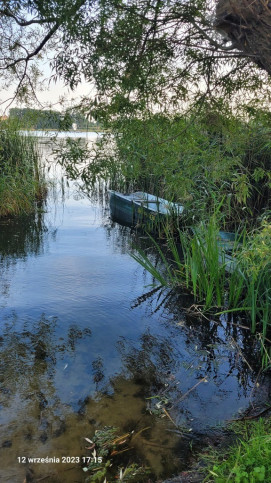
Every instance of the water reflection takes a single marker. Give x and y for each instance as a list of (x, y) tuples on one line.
[(29, 353), (42, 423), (23, 237), (217, 361), (84, 344)]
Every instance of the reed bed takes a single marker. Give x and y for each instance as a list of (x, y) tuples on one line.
[(21, 182), (198, 263)]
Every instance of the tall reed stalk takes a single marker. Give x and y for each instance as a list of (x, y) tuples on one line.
[(195, 262), (205, 265)]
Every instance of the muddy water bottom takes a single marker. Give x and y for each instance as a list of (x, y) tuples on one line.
[(85, 343), (43, 434)]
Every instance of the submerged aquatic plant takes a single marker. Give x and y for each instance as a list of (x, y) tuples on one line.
[(105, 466)]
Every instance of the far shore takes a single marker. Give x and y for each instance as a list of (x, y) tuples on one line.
[(98, 130)]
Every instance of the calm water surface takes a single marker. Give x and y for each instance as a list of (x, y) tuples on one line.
[(83, 345)]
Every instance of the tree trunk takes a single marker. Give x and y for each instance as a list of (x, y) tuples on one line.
[(248, 24)]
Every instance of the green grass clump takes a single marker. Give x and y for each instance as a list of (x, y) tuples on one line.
[(205, 265), (248, 461), (239, 281), (196, 262), (255, 263)]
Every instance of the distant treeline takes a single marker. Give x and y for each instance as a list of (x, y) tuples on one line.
[(48, 119)]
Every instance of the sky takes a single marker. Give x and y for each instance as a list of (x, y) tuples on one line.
[(57, 91), (50, 96)]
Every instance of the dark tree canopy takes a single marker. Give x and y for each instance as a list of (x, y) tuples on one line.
[(137, 53)]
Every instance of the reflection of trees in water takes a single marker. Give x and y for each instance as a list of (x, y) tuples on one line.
[(97, 371), (28, 357), (32, 411), (216, 347), (224, 349), (22, 237), (150, 364), (120, 237), (127, 240)]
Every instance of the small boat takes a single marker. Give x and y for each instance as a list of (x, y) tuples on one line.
[(226, 241), (229, 241), (140, 207)]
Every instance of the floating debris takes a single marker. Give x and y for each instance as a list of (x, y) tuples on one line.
[(103, 463)]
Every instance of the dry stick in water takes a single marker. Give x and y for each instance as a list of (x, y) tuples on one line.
[(184, 396), (197, 311), (168, 415), (156, 445), (241, 353), (192, 389), (256, 384), (255, 416), (139, 432)]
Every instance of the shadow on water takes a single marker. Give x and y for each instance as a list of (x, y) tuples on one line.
[(84, 344)]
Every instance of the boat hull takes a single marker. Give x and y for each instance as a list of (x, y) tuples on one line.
[(139, 208), (122, 210)]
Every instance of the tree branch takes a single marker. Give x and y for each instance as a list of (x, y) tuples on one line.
[(26, 23), (36, 51), (211, 40)]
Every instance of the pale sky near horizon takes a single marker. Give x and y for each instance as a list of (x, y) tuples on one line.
[(49, 97)]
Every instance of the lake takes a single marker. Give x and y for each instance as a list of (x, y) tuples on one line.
[(85, 342)]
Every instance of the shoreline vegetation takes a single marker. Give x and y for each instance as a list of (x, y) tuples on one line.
[(247, 460), (218, 166), (22, 185)]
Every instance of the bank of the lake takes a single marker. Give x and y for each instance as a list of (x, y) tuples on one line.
[(53, 134)]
